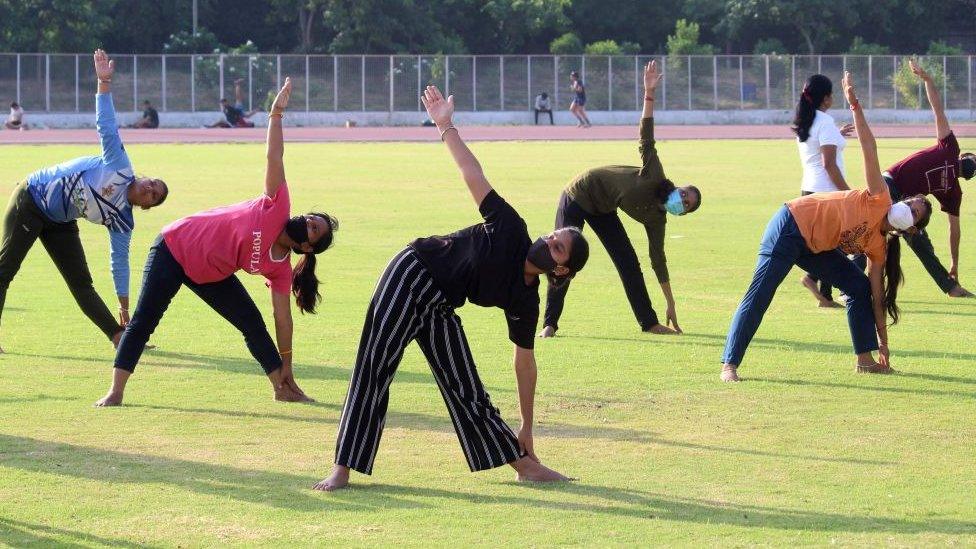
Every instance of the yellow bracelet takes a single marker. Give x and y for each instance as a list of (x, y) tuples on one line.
[(283, 353), (278, 114)]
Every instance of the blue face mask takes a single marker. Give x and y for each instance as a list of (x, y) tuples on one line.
[(674, 205)]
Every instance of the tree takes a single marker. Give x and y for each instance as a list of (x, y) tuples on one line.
[(642, 22), (387, 26), (939, 47), (817, 22), (567, 44), (611, 47), (769, 46), (69, 26), (684, 41), (860, 47)]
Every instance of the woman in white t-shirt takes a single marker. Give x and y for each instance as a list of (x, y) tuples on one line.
[(821, 145)]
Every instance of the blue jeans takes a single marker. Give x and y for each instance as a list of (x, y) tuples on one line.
[(783, 247)]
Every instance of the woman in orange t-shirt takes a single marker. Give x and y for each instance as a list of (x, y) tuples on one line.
[(816, 232)]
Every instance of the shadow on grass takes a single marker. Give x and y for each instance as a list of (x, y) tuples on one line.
[(285, 490), (441, 424), (35, 398), (882, 389), (622, 502), (21, 534), (846, 349)]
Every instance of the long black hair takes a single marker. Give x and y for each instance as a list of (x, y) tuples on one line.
[(817, 88), (304, 283), (893, 277)]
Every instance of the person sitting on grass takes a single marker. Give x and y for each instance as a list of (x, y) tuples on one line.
[(646, 195), (15, 120), (234, 115), (815, 232), (543, 104), (101, 189), (491, 264), (205, 250), (150, 117), (935, 171)]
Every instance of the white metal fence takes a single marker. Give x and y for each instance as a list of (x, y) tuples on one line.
[(372, 83)]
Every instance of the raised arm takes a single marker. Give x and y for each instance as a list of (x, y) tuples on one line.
[(113, 153), (935, 100), (275, 174), (869, 147), (441, 111), (651, 78)]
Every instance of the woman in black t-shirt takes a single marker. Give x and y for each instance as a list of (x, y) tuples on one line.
[(491, 264)]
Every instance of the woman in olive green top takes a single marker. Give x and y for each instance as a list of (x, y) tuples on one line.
[(643, 193)]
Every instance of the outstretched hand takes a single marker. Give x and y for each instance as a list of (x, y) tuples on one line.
[(104, 67), (281, 100), (651, 76), (440, 110), (849, 92), (918, 71)]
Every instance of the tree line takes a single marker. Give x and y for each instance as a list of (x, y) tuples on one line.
[(490, 26)]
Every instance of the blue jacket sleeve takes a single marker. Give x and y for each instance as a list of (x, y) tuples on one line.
[(113, 153), (119, 244)]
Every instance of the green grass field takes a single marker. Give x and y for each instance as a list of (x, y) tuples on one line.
[(803, 452)]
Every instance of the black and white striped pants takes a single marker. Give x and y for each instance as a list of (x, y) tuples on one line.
[(407, 306)]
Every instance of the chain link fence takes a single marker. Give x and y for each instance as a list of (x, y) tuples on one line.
[(373, 83)]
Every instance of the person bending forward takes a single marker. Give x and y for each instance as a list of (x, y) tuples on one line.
[(491, 264)]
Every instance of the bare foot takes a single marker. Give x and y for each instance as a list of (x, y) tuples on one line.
[(111, 399), (286, 394), (959, 291), (729, 374), (660, 329), (873, 368), (531, 471), (548, 331), (338, 480)]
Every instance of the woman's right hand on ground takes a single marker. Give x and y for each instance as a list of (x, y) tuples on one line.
[(672, 319), (281, 100), (440, 110), (884, 355)]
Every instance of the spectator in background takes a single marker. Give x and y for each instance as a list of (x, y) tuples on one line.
[(578, 106), (150, 117), (234, 115), (15, 121), (542, 104)]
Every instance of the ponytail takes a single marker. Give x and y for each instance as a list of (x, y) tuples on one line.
[(305, 285), (892, 277), (817, 88)]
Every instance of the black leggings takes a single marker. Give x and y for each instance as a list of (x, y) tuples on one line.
[(161, 279), (611, 233)]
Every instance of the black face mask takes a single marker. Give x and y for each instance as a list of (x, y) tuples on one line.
[(540, 256), (297, 230)]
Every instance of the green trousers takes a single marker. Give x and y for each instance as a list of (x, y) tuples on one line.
[(23, 224)]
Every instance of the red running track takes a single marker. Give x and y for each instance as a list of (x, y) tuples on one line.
[(471, 133)]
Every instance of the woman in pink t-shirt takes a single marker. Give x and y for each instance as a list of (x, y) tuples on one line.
[(205, 250)]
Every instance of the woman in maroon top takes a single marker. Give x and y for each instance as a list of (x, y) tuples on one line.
[(935, 171)]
